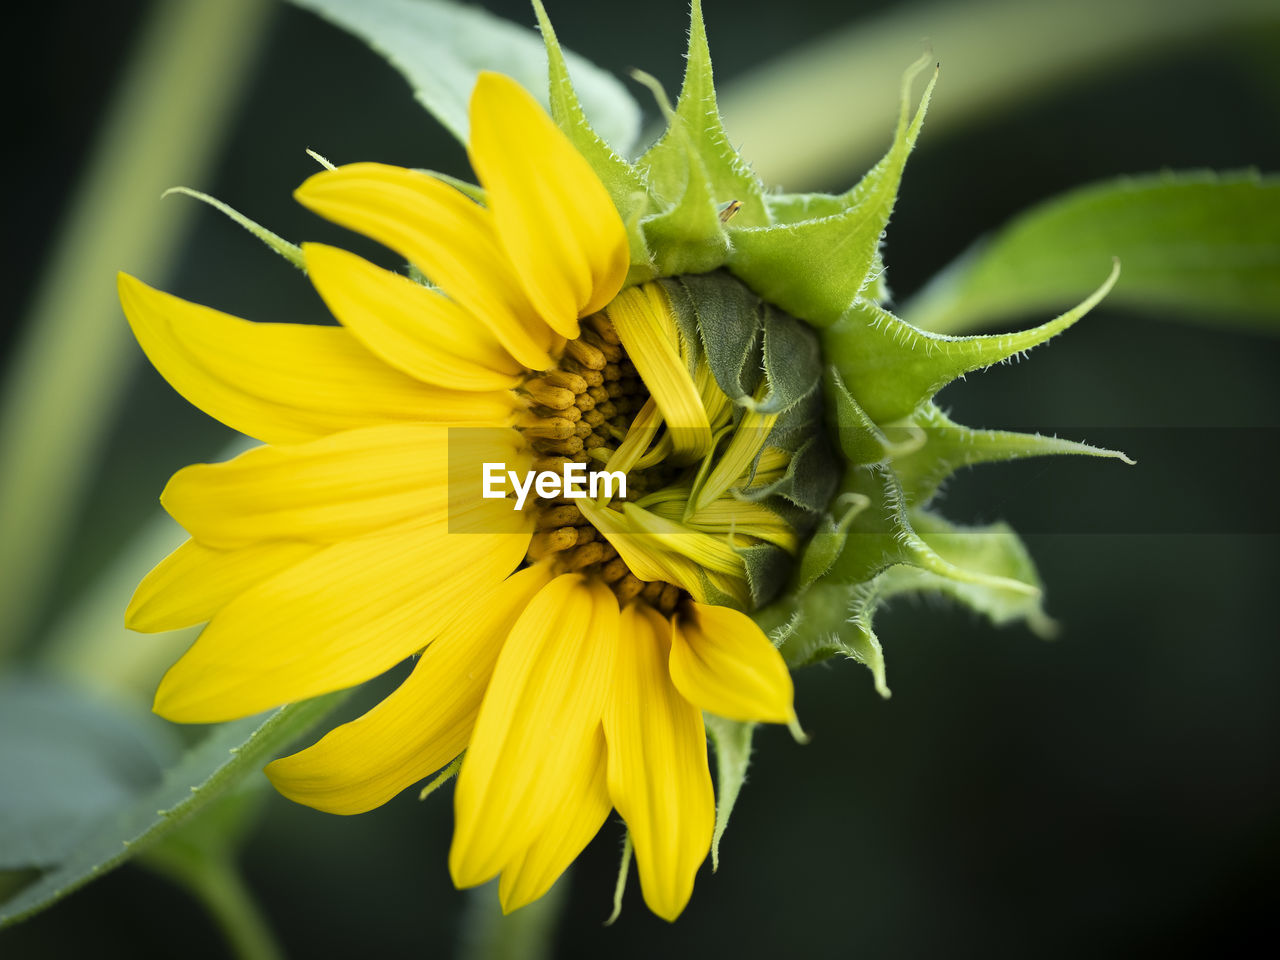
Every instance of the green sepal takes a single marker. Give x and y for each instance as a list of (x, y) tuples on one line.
[(688, 236), (828, 540), (891, 368), (712, 311), (696, 130), (792, 363), (828, 620), (466, 187), (732, 742), (860, 439), (950, 447), (767, 568), (623, 182), (883, 535), (273, 241), (818, 268), (995, 551)]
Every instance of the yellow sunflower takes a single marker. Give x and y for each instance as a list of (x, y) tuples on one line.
[(566, 650)]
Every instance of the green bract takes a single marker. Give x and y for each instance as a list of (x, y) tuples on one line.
[(692, 206)]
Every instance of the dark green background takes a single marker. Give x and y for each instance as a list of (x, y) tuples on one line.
[(1115, 793)]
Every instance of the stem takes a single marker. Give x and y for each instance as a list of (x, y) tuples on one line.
[(216, 883), (74, 355), (527, 934)]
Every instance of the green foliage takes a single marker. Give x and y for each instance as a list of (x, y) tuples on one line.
[(441, 47), (1199, 245), (140, 817), (69, 760)]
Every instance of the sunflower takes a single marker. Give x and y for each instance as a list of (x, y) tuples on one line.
[(565, 651)]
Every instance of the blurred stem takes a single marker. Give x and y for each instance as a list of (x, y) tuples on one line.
[(527, 934), (822, 110), (215, 881), (71, 362)]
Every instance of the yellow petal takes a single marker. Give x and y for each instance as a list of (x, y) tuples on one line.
[(554, 216), (572, 826), (424, 724), (286, 382), (336, 488), (447, 235), (540, 717), (336, 619), (642, 317), (410, 327), (722, 661), (194, 582), (658, 775)]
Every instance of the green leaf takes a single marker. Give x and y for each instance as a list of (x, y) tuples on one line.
[(732, 741), (69, 759), (1193, 245), (441, 47), (218, 764)]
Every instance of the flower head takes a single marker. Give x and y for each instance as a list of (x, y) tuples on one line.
[(335, 550), (722, 351)]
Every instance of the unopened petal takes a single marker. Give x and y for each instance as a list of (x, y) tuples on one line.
[(424, 724), (642, 316), (540, 717), (722, 661), (658, 774), (346, 614), (412, 328), (286, 382), (555, 219)]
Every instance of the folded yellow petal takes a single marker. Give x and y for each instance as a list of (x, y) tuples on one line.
[(410, 327), (722, 661), (539, 720), (336, 488), (642, 317), (571, 827), (446, 234), (333, 620), (194, 582), (556, 220), (425, 723), (286, 382), (658, 774)]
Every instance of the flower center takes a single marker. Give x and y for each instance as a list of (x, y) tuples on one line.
[(581, 412)]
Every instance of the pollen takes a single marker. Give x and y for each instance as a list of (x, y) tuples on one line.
[(581, 412)]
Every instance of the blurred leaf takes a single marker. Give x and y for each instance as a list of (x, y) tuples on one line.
[(1201, 245), (440, 48), (68, 369), (68, 760), (207, 772), (824, 109)]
